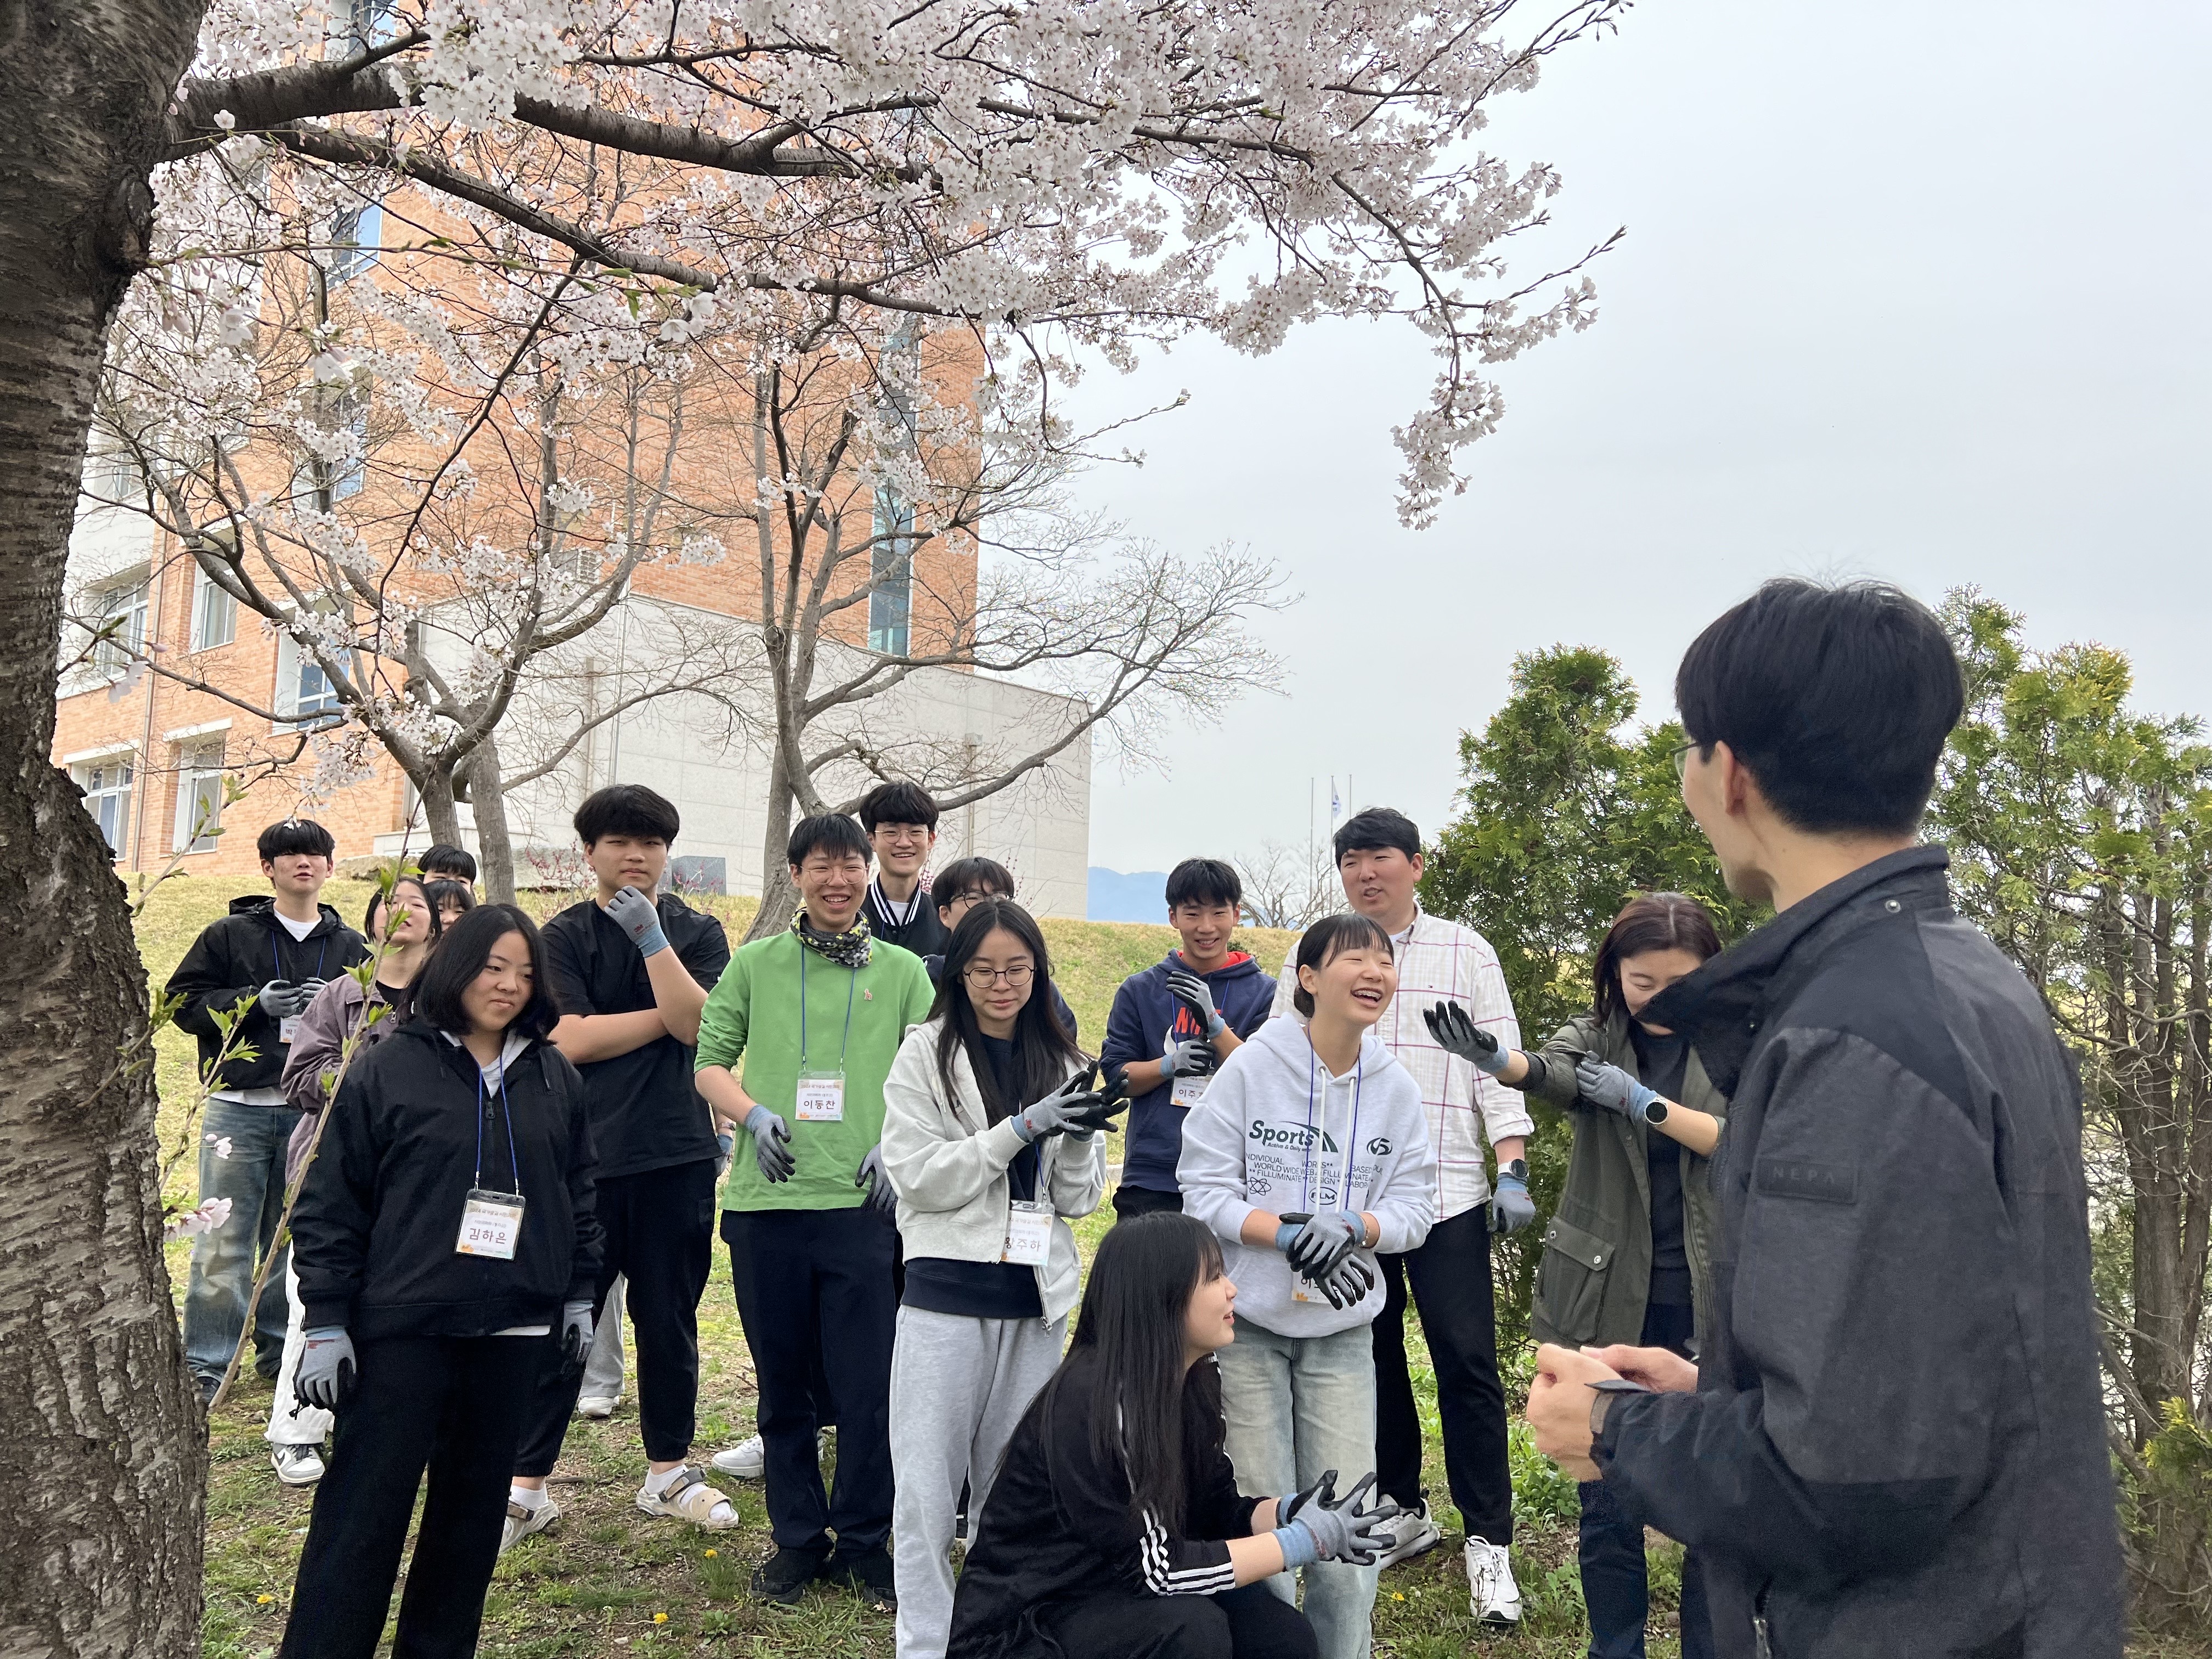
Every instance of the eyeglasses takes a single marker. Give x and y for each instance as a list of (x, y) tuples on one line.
[(983, 978), (1679, 754)]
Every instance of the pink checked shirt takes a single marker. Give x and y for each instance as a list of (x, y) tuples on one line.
[(1440, 960)]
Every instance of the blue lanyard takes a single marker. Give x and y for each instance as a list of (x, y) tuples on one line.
[(851, 978), (506, 1112), (277, 956), (1352, 1140)]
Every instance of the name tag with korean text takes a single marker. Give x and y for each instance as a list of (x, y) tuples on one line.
[(821, 1097), (1187, 1090), (288, 1028), (1029, 1234), (491, 1225)]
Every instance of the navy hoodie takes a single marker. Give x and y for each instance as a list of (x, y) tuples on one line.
[(1144, 1010)]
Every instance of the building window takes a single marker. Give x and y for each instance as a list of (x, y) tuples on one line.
[(357, 25), (200, 797), (355, 236), (107, 786), (348, 475), (305, 695), (111, 478), (891, 597), (215, 616), (122, 627)]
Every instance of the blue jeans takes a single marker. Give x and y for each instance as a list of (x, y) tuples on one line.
[(1297, 1407), (223, 1259)]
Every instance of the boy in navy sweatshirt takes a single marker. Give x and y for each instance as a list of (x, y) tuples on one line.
[(1174, 1024)]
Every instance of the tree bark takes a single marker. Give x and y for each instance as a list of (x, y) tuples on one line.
[(779, 899), (103, 1471), (487, 804)]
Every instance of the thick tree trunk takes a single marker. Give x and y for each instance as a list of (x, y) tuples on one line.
[(488, 803), (441, 815), (102, 1471), (778, 898)]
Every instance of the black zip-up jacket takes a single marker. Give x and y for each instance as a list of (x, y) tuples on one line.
[(1897, 1445), (1058, 1529), (235, 956), (380, 1214)]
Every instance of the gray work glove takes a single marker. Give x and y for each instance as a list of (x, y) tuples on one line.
[(326, 1368), (1196, 994), (576, 1335), (1346, 1284), (1316, 1244), (1108, 1101), (771, 1143), (281, 999), (1342, 1530), (1186, 1057), (1456, 1033), (1610, 1089), (1511, 1208), (632, 909), (1061, 1112), (876, 1181)]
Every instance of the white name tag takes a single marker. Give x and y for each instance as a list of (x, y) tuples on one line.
[(1189, 1090), (491, 1223), (821, 1097), (288, 1028), (1029, 1234)]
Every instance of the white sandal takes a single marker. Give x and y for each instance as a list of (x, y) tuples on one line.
[(687, 1497)]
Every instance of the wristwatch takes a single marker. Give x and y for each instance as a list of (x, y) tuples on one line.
[(1602, 1400), (1655, 1111), (1518, 1167)]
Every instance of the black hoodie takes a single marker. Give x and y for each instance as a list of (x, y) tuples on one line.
[(380, 1214), (235, 956)]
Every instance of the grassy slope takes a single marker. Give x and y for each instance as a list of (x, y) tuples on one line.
[(606, 1581)]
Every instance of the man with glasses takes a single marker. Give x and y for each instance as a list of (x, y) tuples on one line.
[(817, 1014), (900, 820)]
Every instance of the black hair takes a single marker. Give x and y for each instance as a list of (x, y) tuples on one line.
[(1204, 881), (459, 894), (1836, 699), (984, 878), (295, 835), (460, 956), (1042, 1047), (1377, 827), (378, 899), (1154, 1414), (1329, 938), (627, 809), (828, 832), (457, 862), (1650, 922), (897, 803)]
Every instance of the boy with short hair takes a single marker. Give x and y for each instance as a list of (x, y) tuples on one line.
[(279, 948), (629, 973), (816, 1014), (1172, 1024), (442, 862), (901, 822)]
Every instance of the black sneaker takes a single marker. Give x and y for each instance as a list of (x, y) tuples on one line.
[(867, 1574), (785, 1576)]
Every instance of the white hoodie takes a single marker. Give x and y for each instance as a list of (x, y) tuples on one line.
[(1275, 1131)]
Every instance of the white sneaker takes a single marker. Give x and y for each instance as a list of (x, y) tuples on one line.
[(297, 1466), (522, 1522), (1416, 1534), (748, 1459), (1492, 1595), (597, 1405)]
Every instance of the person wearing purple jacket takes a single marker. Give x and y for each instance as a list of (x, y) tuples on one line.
[(1172, 1025)]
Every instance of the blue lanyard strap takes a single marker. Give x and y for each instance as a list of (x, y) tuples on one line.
[(1352, 1140), (851, 978), (506, 1112), (277, 956)]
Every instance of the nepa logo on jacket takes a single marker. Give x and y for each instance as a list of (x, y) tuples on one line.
[(1298, 1137)]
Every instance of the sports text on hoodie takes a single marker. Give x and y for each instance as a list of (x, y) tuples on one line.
[(1276, 1133), (1144, 1012), (233, 958), (375, 1230)]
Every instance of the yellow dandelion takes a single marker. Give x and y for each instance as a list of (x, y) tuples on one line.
[(262, 1600), (1397, 1595), (659, 1617), (711, 1554)]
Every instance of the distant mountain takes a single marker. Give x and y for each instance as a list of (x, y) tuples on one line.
[(1114, 896)]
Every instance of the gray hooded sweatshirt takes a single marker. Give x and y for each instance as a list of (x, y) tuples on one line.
[(1275, 1131)]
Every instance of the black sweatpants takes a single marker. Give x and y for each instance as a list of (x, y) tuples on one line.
[(1130, 1202), (453, 1404), (660, 1231), (1250, 1623), (814, 1294), (1449, 1276)]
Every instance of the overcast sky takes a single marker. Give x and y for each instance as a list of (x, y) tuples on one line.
[(1909, 290)]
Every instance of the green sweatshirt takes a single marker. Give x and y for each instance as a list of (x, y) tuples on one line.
[(753, 1013)]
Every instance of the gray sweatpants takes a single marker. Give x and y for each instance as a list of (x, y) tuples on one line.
[(958, 1389)]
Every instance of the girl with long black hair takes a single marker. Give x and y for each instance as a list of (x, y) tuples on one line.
[(445, 1224), (1114, 1528), (1626, 1253), (990, 1139)]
